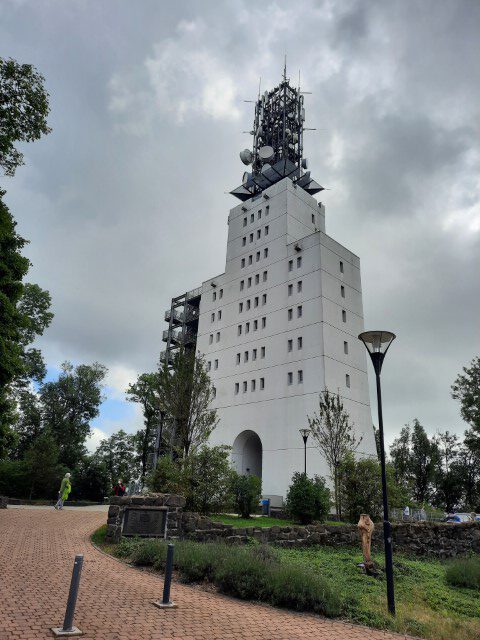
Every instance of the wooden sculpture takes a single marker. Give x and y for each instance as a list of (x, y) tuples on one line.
[(365, 528)]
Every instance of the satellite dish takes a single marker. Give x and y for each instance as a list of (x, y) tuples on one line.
[(304, 163), (246, 156), (266, 153)]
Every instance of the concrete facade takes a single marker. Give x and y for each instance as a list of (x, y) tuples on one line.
[(276, 327)]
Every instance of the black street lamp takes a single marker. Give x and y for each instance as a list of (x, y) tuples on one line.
[(377, 344), (305, 433)]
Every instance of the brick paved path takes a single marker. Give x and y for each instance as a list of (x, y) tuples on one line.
[(37, 548)]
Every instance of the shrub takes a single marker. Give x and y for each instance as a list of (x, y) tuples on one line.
[(167, 477), (197, 562), (207, 474), (242, 575), (126, 546), (307, 499), (298, 588), (147, 552), (246, 492), (464, 573), (361, 488)]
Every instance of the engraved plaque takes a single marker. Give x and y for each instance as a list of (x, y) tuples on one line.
[(144, 522)]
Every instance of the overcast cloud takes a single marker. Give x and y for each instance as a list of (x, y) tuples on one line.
[(125, 205)]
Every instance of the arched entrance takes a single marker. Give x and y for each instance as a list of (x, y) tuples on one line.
[(247, 453)]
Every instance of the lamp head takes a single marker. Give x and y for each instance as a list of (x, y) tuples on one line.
[(304, 433), (377, 344)]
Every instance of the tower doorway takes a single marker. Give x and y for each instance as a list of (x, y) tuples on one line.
[(247, 453)]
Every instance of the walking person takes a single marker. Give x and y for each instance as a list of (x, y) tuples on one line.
[(64, 492), (119, 489)]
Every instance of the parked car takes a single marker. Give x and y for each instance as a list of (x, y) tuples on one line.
[(460, 517)]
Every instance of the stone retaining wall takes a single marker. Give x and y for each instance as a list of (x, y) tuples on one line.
[(3, 502)]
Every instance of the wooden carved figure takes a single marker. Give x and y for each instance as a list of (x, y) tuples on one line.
[(365, 528)]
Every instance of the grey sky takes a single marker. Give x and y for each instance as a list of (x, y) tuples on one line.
[(147, 119)]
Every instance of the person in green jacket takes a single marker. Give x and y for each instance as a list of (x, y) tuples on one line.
[(64, 492)]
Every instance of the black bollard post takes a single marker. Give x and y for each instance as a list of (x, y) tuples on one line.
[(166, 602), (68, 629)]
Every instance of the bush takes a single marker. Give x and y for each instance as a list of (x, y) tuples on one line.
[(242, 575), (307, 499), (167, 477), (207, 474), (148, 551), (14, 479), (197, 562), (360, 488), (246, 492), (464, 573)]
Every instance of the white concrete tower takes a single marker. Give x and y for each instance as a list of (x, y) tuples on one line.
[(281, 323)]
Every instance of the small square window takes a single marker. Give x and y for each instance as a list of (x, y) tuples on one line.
[(347, 380), (251, 237), (265, 276), (264, 298), (266, 230), (290, 345), (290, 314), (240, 307), (252, 385), (244, 386), (212, 318), (342, 291), (299, 262), (264, 323), (259, 214), (245, 356), (210, 339), (290, 265), (345, 347), (237, 388), (250, 259), (252, 217), (265, 252), (290, 289), (239, 330), (214, 296), (341, 266), (247, 327), (242, 264), (244, 222), (254, 354), (248, 304), (262, 352), (262, 383), (257, 256), (257, 278), (221, 294), (267, 209), (299, 311), (344, 315), (255, 302), (249, 282), (238, 358), (299, 286), (299, 342), (215, 365), (209, 365), (214, 392), (299, 376), (244, 241), (219, 314), (217, 337), (313, 218), (259, 234), (289, 377), (255, 325), (242, 284)]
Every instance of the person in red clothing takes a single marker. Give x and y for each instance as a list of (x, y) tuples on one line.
[(119, 489)]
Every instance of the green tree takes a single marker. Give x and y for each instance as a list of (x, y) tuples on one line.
[(23, 110), (424, 461), (29, 424), (466, 389), (44, 471), (401, 456), (308, 499), (333, 433), (186, 394), (208, 479), (92, 480), (69, 404), (167, 477), (118, 454), (246, 492), (145, 391)]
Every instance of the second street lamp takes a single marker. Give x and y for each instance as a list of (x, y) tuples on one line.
[(377, 344), (305, 433)]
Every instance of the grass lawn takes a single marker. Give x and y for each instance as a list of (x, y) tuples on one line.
[(427, 606), (262, 521)]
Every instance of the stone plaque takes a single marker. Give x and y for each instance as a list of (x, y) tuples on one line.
[(144, 522)]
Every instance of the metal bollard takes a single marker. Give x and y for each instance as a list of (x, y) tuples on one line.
[(68, 629), (166, 602)]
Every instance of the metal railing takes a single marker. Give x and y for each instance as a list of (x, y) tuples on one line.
[(194, 293)]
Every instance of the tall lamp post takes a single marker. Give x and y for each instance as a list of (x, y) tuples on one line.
[(305, 433), (377, 344)]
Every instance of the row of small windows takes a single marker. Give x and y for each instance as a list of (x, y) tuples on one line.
[(219, 315), (248, 303), (299, 312), (299, 263), (299, 343), (251, 279), (299, 377), (257, 257), (209, 365), (259, 216), (254, 326), (299, 288), (246, 355), (259, 235), (220, 295), (253, 385), (217, 337)]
